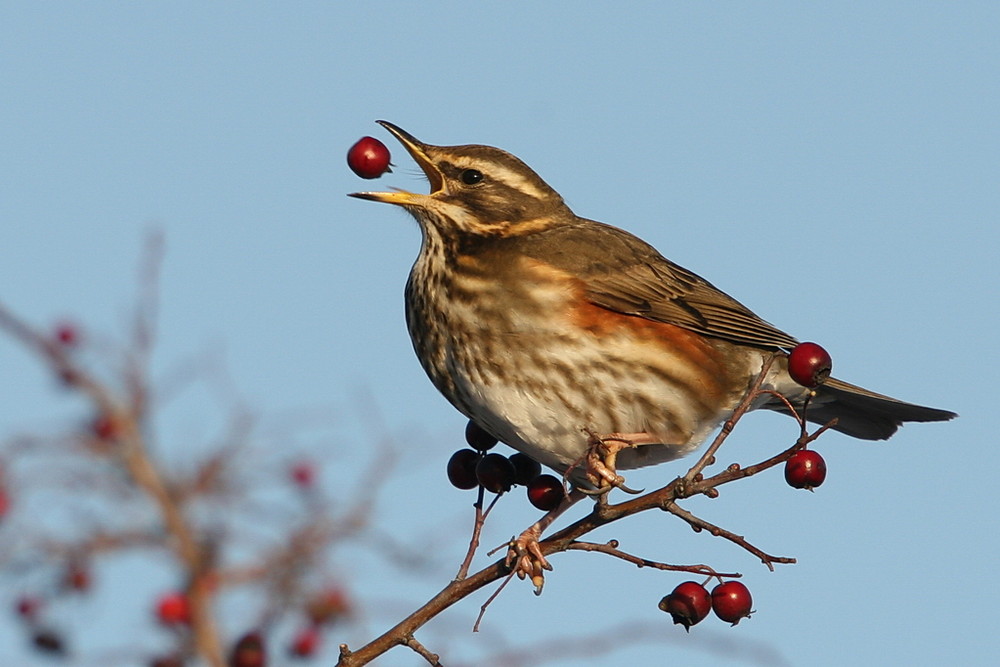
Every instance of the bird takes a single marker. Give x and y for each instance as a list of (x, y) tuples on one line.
[(554, 333)]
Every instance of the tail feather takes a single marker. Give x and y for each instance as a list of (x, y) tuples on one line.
[(864, 414)]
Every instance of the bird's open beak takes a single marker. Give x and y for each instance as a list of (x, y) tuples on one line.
[(418, 150)]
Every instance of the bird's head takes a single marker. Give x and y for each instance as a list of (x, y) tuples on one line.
[(475, 190)]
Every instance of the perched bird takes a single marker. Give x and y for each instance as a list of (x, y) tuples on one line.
[(554, 332)]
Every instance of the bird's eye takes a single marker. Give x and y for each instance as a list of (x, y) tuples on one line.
[(472, 176)]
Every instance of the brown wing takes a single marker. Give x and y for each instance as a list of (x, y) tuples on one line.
[(627, 275)]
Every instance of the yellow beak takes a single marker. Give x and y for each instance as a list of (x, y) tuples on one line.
[(419, 151)]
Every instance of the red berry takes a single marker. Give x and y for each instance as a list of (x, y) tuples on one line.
[(462, 469), (478, 438), (368, 158), (546, 492), (688, 604), (328, 606), (303, 474), (28, 607), (809, 364), (248, 651), (525, 468), (731, 601), (495, 472), (105, 427), (172, 609), (168, 660), (4, 503), (305, 643), (67, 334), (77, 577), (805, 469)]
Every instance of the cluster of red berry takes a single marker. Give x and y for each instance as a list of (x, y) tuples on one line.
[(472, 468), (690, 602)]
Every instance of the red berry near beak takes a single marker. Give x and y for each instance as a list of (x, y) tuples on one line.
[(368, 158)]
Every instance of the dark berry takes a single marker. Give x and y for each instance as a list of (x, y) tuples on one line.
[(478, 438), (462, 469), (48, 641), (248, 651), (688, 604), (809, 364), (368, 158), (495, 472), (805, 469), (731, 601), (525, 468), (546, 492)]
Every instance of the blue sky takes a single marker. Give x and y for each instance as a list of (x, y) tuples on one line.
[(834, 167)]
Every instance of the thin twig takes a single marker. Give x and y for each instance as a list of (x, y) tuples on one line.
[(493, 596), (727, 427), (421, 650), (477, 527), (700, 524), (611, 549)]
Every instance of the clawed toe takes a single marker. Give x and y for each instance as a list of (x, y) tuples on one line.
[(525, 558), (601, 459)]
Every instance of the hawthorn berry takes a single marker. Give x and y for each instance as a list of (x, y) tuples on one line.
[(28, 607), (303, 474), (805, 469), (305, 642), (368, 158), (546, 492), (168, 660), (77, 576), (172, 609), (731, 601), (478, 438), (809, 364), (328, 606), (48, 641), (67, 334), (495, 473), (462, 469), (688, 604), (105, 427), (248, 651), (525, 468)]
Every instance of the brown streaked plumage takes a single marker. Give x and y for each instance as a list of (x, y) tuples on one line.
[(545, 327)]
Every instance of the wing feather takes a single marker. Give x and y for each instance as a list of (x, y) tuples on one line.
[(625, 274)]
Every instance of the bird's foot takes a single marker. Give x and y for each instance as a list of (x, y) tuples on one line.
[(602, 456), (525, 557), (524, 553)]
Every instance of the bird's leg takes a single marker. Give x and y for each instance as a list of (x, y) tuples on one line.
[(524, 554), (602, 456)]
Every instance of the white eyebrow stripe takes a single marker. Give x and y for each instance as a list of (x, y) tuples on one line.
[(515, 181)]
